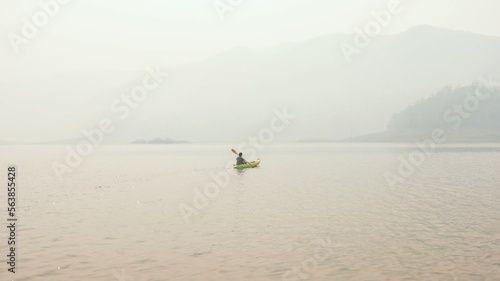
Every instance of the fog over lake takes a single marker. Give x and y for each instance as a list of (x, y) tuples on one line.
[(250, 140)]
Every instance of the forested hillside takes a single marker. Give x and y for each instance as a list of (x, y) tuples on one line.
[(474, 106)]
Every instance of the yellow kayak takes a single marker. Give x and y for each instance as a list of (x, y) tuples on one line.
[(251, 164)]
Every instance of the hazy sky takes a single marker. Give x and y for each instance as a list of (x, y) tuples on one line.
[(185, 30), (126, 35)]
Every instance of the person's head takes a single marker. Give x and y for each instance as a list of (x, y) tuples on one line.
[(240, 154)]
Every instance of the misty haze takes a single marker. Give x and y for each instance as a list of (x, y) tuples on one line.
[(250, 140)]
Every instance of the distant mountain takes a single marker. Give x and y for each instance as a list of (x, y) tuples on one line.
[(64, 141), (414, 136), (452, 107), (159, 141), (233, 94), (466, 114), (314, 141)]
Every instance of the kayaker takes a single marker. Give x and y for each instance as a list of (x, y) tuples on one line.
[(240, 160)]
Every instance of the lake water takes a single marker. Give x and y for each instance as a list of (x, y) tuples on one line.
[(308, 212)]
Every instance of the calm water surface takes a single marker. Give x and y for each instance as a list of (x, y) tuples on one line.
[(309, 212)]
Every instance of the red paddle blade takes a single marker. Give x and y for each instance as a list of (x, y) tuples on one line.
[(234, 151)]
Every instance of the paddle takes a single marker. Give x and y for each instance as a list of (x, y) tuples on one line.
[(234, 151)]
